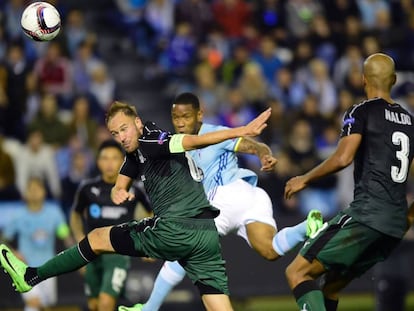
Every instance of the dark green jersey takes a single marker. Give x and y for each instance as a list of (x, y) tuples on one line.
[(381, 164), (166, 176)]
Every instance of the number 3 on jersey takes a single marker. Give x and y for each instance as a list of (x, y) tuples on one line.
[(399, 174)]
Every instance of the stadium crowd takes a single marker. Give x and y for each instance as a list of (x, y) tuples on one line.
[(303, 58)]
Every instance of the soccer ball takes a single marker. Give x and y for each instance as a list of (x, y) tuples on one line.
[(40, 21)]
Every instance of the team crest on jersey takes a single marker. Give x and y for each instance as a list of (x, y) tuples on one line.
[(349, 121), (161, 137)]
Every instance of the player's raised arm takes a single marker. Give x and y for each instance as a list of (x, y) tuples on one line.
[(254, 128)]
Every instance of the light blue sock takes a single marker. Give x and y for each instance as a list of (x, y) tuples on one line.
[(170, 275), (288, 238)]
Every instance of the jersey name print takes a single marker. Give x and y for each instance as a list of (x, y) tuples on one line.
[(400, 118)]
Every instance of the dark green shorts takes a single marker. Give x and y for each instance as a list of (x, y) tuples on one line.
[(193, 242), (348, 247), (106, 274)]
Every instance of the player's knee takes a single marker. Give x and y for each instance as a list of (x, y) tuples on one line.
[(106, 302), (99, 240), (268, 254), (293, 275)]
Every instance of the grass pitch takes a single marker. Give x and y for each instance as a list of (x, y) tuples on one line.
[(359, 302)]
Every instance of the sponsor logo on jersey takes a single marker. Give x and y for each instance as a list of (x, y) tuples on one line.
[(162, 137), (95, 210)]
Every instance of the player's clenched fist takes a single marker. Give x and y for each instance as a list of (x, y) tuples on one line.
[(121, 195)]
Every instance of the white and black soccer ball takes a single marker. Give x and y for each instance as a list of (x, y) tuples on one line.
[(41, 21)]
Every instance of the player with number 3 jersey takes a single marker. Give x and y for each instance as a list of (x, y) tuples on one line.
[(378, 136)]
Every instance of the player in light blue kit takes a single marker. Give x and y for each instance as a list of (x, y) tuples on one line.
[(245, 209), (36, 227)]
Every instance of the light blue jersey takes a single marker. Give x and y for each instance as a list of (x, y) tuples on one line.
[(36, 232), (218, 163)]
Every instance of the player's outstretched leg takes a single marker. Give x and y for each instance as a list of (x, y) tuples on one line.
[(169, 276), (15, 268)]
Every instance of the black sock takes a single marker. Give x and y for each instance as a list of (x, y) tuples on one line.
[(330, 304), (31, 277)]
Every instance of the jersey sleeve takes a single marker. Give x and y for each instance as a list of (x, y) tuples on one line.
[(155, 142), (353, 121), (229, 144)]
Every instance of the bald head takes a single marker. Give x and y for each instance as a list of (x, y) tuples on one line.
[(379, 71)]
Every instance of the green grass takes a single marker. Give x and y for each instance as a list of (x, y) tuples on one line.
[(360, 302)]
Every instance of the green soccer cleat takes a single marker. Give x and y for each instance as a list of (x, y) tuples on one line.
[(15, 268), (313, 223), (136, 307)]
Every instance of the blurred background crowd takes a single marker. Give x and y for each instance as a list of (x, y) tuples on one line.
[(303, 58)]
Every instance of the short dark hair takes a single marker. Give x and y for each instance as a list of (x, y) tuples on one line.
[(187, 98), (109, 143), (118, 106)]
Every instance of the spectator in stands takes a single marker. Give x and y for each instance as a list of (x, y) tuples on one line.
[(288, 91), (36, 226), (270, 19), (337, 12), (235, 110), (159, 15), (266, 57), (302, 55), (12, 13), (75, 32), (310, 112), (253, 86), (302, 152), (81, 123), (8, 188), (232, 68), (4, 102), (351, 58), (84, 62), (179, 53), (320, 84), (322, 39), (274, 134), (406, 55), (103, 88), (36, 158), (369, 9), (232, 16), (54, 71), (47, 121), (33, 98), (197, 13), (17, 70), (210, 92), (299, 15), (79, 170)]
